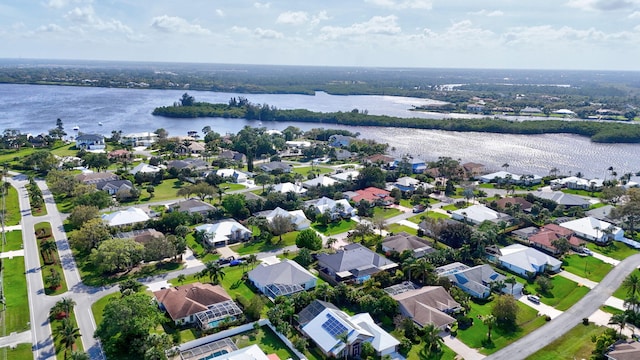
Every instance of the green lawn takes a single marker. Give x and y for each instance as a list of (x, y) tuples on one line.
[(227, 186), (334, 228), (450, 207), (304, 170), (267, 340), (165, 191), (14, 240), (21, 352), (586, 266), (232, 281), (56, 265), (58, 344), (576, 344), (260, 246), (15, 287), (611, 310), (595, 194), (445, 354), (417, 219), (98, 307), (475, 336), (564, 294), (397, 228), (621, 293), (13, 207), (386, 212), (616, 250)]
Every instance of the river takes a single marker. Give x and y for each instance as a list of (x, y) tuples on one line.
[(35, 108)]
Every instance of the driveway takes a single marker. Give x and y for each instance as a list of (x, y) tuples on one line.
[(461, 348)]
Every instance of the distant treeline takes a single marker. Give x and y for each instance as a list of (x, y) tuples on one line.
[(602, 132)]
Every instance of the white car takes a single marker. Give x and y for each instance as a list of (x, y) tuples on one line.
[(534, 299), (587, 251)]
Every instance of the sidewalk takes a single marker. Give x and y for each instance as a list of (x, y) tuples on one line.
[(606, 259), (580, 280), (12, 228), (542, 308), (461, 348), (11, 254)]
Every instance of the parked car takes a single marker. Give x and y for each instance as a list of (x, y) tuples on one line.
[(587, 251), (534, 299), (236, 262), (418, 208)]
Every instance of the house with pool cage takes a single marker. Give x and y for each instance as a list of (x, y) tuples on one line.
[(281, 278), (205, 305)]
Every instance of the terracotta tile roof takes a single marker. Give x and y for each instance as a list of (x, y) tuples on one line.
[(372, 194), (552, 232), (185, 300), (524, 204)]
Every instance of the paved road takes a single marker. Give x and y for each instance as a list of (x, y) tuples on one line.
[(582, 309)]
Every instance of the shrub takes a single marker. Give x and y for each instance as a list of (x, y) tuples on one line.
[(464, 322), (585, 321)]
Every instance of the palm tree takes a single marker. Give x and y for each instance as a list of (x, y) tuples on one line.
[(79, 355), (252, 259), (620, 320), (214, 271), (68, 333), (344, 338), (181, 278), (424, 268), (48, 248), (330, 242), (490, 321), (64, 306), (632, 284), (432, 339), (54, 279)]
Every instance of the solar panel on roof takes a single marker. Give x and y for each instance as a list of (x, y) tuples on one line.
[(333, 326)]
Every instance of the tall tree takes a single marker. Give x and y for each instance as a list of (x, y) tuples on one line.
[(214, 271), (280, 225), (67, 333), (489, 321)]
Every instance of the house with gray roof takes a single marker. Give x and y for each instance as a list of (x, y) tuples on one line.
[(353, 262), (191, 206), (114, 186), (428, 305), (340, 140), (527, 261), (276, 165), (406, 242), (567, 200), (90, 142), (188, 163), (232, 156), (96, 177), (283, 278), (476, 281)]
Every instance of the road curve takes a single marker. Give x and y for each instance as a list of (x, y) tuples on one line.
[(557, 327)]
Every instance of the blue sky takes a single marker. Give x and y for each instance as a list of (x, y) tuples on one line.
[(533, 34)]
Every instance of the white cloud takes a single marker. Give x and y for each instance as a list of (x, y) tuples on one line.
[(321, 16), (603, 5), (260, 5), (87, 17), (59, 4), (634, 15), (377, 25), (566, 35), (219, 12), (488, 13), (267, 34), (240, 30), (174, 24), (51, 28), (293, 18), (405, 4)]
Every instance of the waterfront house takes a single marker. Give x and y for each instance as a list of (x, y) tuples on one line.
[(90, 142), (560, 198), (340, 140), (139, 139)]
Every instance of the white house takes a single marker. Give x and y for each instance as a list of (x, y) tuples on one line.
[(289, 187), (593, 229), (145, 169), (131, 215), (346, 175), (332, 206), (527, 261), (90, 142), (225, 232), (501, 176), (297, 217), (319, 181), (237, 176), (140, 139), (382, 341), (282, 278), (477, 214)]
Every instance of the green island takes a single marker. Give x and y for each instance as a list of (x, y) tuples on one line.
[(601, 132)]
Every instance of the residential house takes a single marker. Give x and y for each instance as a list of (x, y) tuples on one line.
[(129, 216), (319, 181), (576, 183), (531, 110), (624, 350), (527, 261), (224, 349), (336, 208), (297, 217), (602, 213), (504, 176), (473, 169), (476, 281), (346, 176), (115, 186), (406, 183), (225, 232), (297, 144), (513, 202), (188, 163), (282, 278), (403, 241), (379, 159), (193, 148), (342, 154), (326, 328), (566, 200), (353, 262), (548, 234), (477, 214), (191, 206), (232, 156), (288, 187), (418, 166), (145, 139), (475, 108), (90, 142), (236, 176), (594, 230), (94, 178), (145, 169), (276, 166), (428, 305), (119, 154), (140, 236), (205, 305), (374, 195), (340, 140)]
